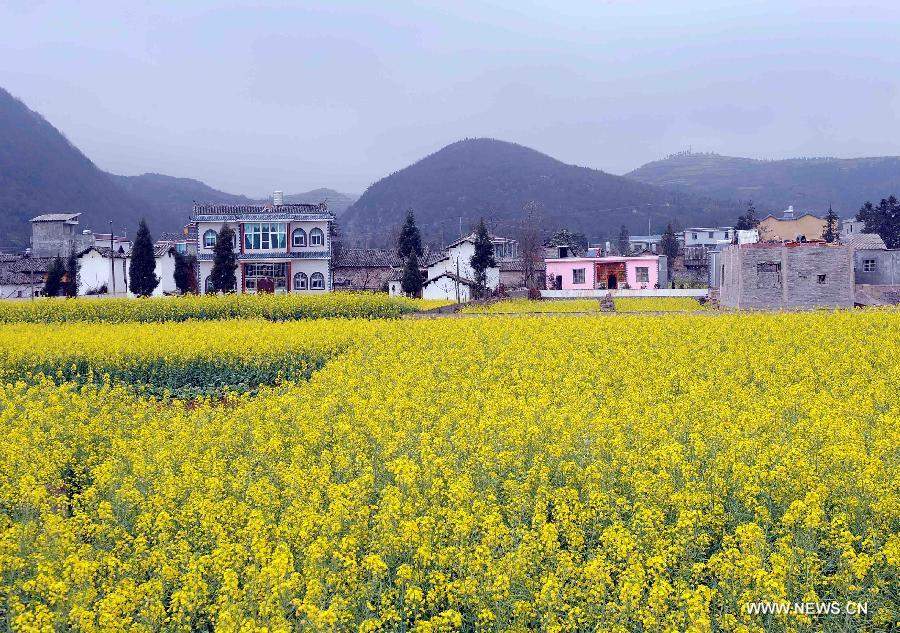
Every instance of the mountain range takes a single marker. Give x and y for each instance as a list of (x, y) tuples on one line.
[(809, 184), (41, 171), (473, 178)]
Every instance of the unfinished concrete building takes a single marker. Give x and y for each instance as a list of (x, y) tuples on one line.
[(786, 276), (55, 234)]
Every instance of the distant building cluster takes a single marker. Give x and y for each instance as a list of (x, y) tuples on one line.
[(783, 262)]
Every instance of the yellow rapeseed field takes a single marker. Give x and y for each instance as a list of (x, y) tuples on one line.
[(623, 304), (274, 307), (556, 473)]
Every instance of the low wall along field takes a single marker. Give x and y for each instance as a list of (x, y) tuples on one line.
[(483, 473)]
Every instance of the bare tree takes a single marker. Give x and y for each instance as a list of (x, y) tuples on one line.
[(530, 246)]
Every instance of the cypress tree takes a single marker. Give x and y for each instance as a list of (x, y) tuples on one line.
[(747, 221), (830, 234), (623, 243), (141, 275), (482, 259), (70, 287), (224, 262), (411, 281), (668, 246), (410, 241), (185, 272), (55, 272)]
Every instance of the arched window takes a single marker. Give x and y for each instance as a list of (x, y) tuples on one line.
[(298, 238), (208, 285), (317, 280), (301, 282), (316, 237), (209, 239)]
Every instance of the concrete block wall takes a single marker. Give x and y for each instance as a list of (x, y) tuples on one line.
[(796, 285), (887, 267)]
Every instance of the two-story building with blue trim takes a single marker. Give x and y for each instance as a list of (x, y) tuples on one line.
[(279, 247)]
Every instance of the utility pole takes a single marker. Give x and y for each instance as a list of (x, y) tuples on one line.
[(112, 260), (457, 279)]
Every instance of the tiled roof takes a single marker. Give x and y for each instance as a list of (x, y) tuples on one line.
[(28, 264), (378, 258), (9, 278), (454, 277), (864, 241), (368, 257), (171, 236), (56, 217)]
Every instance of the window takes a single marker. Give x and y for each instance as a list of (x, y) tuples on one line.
[(768, 275), (820, 279), (298, 238), (209, 239), (264, 236), (578, 276), (726, 235), (181, 247), (208, 285), (693, 236), (316, 238), (711, 234), (868, 265), (301, 281), (643, 274), (317, 280)]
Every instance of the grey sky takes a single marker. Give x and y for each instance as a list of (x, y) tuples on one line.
[(251, 97)]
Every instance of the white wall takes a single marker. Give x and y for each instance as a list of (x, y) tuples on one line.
[(94, 272), (462, 253), (445, 288)]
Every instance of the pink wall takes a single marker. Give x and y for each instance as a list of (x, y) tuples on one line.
[(564, 267)]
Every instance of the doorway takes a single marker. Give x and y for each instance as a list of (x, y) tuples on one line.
[(612, 282)]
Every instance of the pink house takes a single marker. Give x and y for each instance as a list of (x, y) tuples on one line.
[(590, 273)]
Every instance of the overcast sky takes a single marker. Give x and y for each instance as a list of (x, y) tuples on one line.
[(251, 97)]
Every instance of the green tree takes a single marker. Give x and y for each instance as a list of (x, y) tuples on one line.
[(883, 219), (70, 286), (482, 259), (185, 272), (411, 281), (224, 262), (141, 275), (55, 273), (668, 246), (623, 243), (577, 242), (410, 241), (748, 220), (830, 234)]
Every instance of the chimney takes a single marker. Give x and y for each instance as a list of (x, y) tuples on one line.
[(278, 198)]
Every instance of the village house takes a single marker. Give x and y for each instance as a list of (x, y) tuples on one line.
[(371, 268), (789, 275), (450, 274), (55, 234), (609, 273), (279, 247), (791, 227), (22, 277), (102, 270)]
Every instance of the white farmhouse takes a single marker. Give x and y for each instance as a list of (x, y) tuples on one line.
[(102, 270), (451, 276), (279, 247)]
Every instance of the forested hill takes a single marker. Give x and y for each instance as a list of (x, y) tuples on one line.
[(494, 179), (41, 171), (809, 184)]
